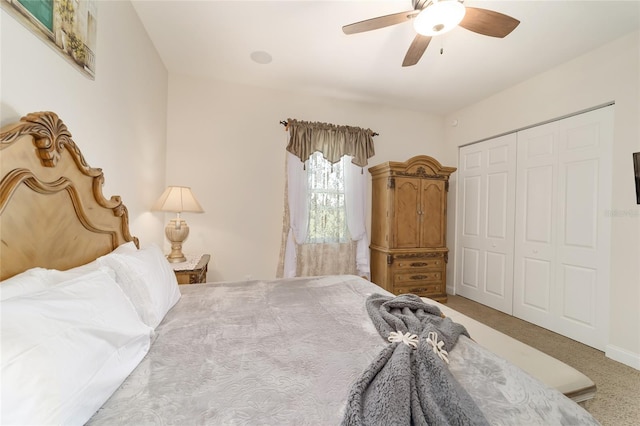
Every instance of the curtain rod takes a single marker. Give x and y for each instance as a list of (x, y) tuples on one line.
[(286, 123)]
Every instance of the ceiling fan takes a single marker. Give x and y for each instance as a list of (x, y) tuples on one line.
[(436, 17)]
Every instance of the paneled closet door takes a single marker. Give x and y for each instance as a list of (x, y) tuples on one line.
[(561, 266), (484, 249)]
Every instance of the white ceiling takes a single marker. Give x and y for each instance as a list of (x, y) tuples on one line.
[(311, 54)]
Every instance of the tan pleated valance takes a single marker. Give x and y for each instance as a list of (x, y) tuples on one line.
[(331, 140)]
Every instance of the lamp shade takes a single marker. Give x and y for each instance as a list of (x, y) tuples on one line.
[(439, 17), (177, 199)]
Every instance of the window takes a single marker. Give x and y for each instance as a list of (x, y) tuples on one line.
[(326, 200), (324, 228)]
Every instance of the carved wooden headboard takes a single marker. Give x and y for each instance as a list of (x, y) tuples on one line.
[(52, 210)]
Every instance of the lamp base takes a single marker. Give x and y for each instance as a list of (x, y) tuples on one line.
[(176, 255), (176, 231)]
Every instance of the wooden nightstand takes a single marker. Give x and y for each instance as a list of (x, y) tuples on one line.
[(188, 274)]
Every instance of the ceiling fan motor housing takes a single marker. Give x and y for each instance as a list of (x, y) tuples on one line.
[(420, 4), (439, 17)]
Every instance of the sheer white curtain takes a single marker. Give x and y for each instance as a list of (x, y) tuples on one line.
[(298, 212), (355, 198), (326, 258)]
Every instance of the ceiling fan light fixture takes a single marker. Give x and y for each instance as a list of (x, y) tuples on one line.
[(439, 17)]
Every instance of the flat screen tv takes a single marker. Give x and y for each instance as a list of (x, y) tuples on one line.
[(636, 169)]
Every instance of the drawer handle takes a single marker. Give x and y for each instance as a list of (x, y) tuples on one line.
[(420, 264), (420, 277)]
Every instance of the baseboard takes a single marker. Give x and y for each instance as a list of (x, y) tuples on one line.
[(624, 356)]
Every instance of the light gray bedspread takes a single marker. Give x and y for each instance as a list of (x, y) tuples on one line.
[(286, 352)]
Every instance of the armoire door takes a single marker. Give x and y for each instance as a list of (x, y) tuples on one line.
[(420, 213), (406, 214), (486, 182), (433, 214), (561, 269)]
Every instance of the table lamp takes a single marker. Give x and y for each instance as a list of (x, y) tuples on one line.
[(177, 199)]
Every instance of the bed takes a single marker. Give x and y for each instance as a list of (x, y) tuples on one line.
[(96, 330)]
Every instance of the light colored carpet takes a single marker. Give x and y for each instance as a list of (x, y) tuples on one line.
[(617, 400)]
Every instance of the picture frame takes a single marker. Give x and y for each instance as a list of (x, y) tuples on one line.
[(636, 169), (67, 26)]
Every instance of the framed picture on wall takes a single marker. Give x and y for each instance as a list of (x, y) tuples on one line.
[(67, 26), (636, 169)]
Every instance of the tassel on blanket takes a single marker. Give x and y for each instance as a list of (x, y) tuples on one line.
[(407, 338), (438, 346)]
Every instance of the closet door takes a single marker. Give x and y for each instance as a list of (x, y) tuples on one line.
[(484, 251), (561, 267)]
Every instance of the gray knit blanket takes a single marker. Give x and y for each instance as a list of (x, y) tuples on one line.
[(409, 383)]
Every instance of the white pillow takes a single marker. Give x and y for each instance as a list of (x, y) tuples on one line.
[(37, 279), (66, 349), (148, 279), (129, 247), (29, 281), (57, 276)]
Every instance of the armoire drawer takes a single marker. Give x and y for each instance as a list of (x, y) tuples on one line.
[(422, 263), (403, 278), (425, 290)]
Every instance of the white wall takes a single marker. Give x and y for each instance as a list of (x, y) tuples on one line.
[(610, 73), (117, 120), (226, 142)]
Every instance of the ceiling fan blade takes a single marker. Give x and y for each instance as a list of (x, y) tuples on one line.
[(488, 22), (416, 50), (379, 22)]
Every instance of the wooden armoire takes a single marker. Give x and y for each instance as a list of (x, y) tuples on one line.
[(409, 225)]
